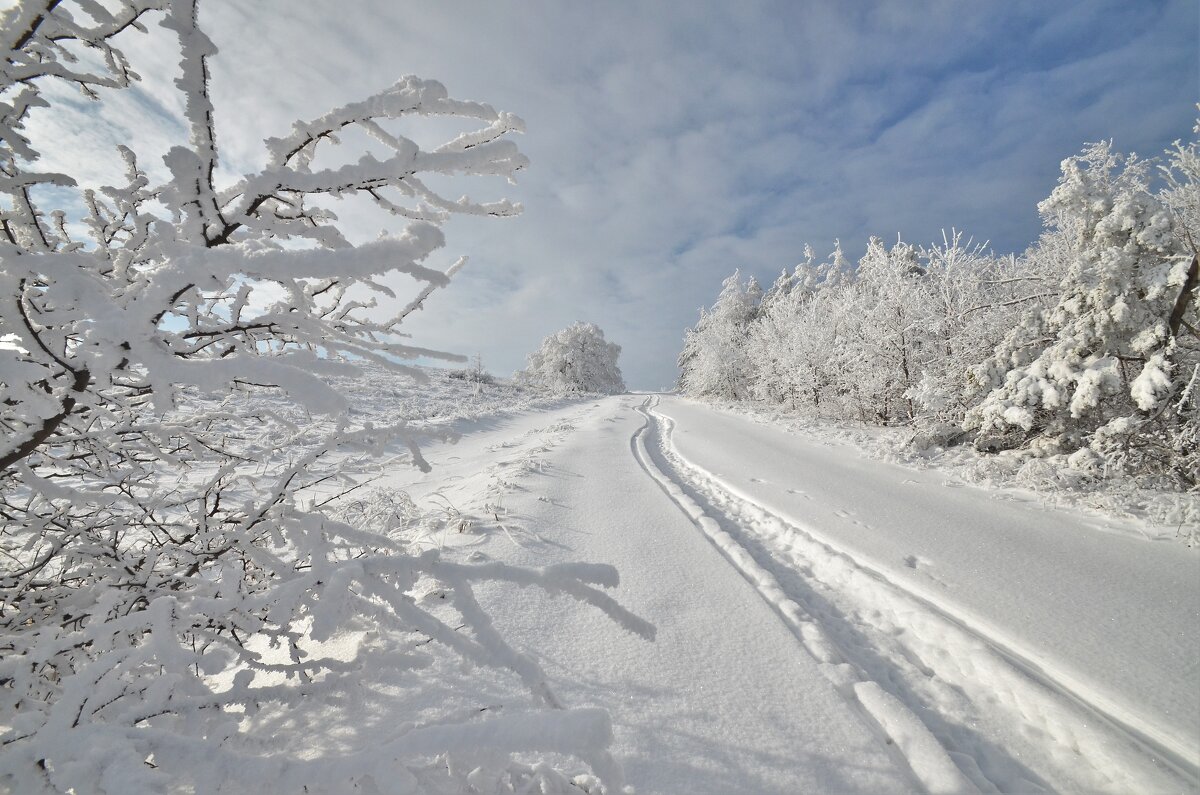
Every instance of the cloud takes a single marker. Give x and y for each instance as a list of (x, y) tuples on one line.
[(672, 143)]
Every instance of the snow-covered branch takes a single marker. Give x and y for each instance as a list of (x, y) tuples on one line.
[(173, 459)]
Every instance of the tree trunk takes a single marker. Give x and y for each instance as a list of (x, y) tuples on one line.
[(1185, 296), (50, 424)]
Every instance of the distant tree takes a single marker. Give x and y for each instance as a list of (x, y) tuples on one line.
[(575, 359), (787, 347), (714, 360), (173, 550)]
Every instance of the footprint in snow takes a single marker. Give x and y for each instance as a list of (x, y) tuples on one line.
[(916, 561)]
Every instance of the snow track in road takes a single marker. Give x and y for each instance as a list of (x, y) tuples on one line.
[(966, 712)]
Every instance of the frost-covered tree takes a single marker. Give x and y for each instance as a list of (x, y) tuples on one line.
[(714, 363), (971, 299), (1086, 345), (575, 359), (788, 344), (174, 549), (882, 352), (1112, 361), (770, 346)]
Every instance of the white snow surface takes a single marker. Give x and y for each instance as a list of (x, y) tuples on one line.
[(725, 699), (825, 622)]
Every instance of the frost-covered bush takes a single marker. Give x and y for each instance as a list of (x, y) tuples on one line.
[(176, 560), (475, 374), (575, 359), (472, 376)]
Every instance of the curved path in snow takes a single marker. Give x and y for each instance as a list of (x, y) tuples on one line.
[(725, 700), (1035, 651), (827, 623)]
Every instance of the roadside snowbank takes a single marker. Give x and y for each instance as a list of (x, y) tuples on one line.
[(1106, 621), (1121, 504)]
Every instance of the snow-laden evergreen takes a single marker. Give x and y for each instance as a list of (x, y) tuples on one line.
[(575, 359), (1111, 384)]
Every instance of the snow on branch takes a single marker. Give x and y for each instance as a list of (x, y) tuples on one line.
[(177, 555), (278, 192)]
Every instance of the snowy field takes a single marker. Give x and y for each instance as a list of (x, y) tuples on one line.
[(796, 614), (826, 622)]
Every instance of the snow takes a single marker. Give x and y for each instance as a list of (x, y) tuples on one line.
[(1104, 619), (724, 699), (220, 587), (790, 615), (826, 622)]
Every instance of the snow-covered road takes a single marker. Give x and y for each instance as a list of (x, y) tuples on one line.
[(1023, 637), (829, 623)]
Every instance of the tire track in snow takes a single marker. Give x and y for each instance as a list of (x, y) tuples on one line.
[(917, 748), (968, 713)]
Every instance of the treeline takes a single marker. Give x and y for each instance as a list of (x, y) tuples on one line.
[(1085, 346)]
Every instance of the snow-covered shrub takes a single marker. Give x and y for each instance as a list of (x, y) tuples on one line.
[(172, 559), (472, 376), (575, 359), (475, 374)]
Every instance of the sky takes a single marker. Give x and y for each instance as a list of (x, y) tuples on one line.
[(673, 142)]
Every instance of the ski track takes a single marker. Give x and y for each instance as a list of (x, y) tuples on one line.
[(967, 713)]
